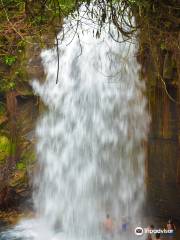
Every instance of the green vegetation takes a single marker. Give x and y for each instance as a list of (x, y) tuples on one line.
[(27, 159), (4, 148), (22, 24), (2, 109), (9, 60), (7, 85)]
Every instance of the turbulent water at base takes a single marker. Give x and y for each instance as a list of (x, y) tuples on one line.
[(90, 141)]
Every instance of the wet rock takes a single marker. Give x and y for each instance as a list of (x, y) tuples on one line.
[(3, 119), (168, 67)]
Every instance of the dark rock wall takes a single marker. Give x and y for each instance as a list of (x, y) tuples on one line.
[(18, 119), (163, 174)]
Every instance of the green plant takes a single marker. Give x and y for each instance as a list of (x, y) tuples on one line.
[(4, 148), (9, 60), (21, 165), (7, 85)]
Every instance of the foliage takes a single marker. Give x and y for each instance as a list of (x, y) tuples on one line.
[(21, 165), (4, 148), (27, 158), (7, 85), (18, 20), (9, 60)]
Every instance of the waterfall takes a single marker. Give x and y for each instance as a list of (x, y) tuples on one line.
[(90, 140)]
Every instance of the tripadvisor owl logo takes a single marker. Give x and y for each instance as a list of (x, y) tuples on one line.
[(139, 231)]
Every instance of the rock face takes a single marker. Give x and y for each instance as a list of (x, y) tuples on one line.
[(159, 57), (17, 155), (163, 165), (19, 109)]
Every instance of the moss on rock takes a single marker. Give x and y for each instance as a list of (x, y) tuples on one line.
[(4, 148), (18, 179)]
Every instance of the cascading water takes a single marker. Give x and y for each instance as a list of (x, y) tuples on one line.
[(91, 157)]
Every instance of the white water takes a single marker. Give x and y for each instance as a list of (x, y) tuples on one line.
[(90, 140)]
